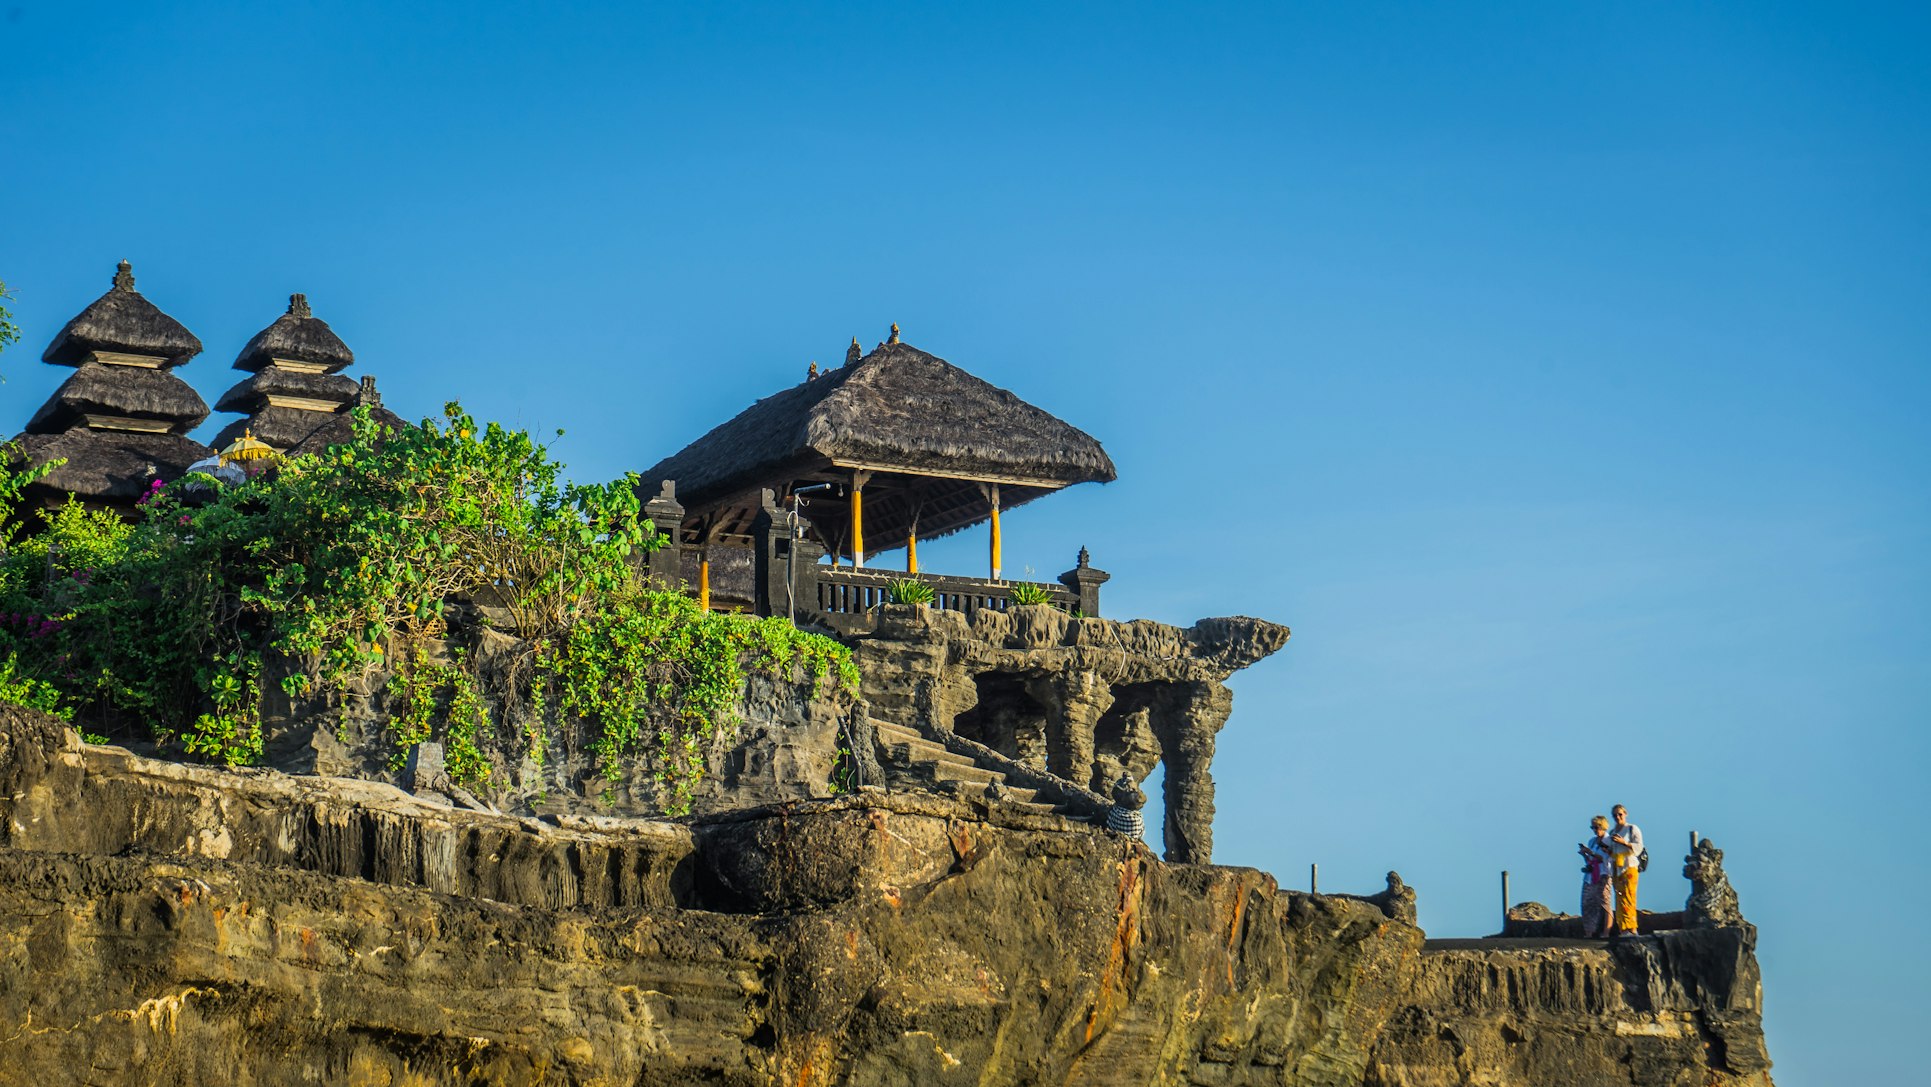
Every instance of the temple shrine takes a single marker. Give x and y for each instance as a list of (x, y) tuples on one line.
[(120, 422), (295, 385)]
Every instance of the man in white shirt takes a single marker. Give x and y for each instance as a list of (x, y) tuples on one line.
[(1625, 858)]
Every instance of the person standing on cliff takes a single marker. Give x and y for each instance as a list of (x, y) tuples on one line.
[(1596, 852), (1625, 855)]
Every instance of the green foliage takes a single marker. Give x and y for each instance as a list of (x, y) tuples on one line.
[(15, 479), (423, 691), (9, 332), (909, 590), (30, 692), (1028, 593), (332, 563), (651, 667)]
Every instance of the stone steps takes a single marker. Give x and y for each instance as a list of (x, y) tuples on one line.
[(910, 755)]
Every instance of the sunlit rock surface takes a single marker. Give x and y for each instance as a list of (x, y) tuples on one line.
[(162, 923)]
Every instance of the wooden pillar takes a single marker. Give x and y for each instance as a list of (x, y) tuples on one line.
[(859, 479), (704, 579), (992, 495), (912, 550)]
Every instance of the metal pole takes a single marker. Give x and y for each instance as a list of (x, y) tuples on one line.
[(1505, 900), (1314, 879), (791, 564)]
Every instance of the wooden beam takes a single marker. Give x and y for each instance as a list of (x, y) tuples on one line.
[(1021, 481)]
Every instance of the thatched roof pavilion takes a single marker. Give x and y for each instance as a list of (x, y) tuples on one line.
[(894, 445), (295, 386), (120, 421)]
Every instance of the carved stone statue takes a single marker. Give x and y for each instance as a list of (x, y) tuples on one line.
[(1124, 817), (1713, 902)]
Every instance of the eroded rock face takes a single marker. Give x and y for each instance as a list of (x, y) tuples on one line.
[(1084, 699), (1677, 1008), (163, 923), (168, 923)]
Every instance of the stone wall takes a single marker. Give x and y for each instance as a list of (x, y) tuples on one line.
[(1671, 1010), (786, 746)]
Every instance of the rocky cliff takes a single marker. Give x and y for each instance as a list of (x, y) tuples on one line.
[(166, 923), (1084, 700)]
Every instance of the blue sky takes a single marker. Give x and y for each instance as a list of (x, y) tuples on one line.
[(1559, 375)]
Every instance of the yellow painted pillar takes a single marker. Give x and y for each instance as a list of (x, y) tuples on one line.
[(859, 479), (994, 495), (704, 580), (912, 551)]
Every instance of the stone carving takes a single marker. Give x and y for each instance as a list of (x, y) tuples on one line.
[(1398, 901), (1124, 817), (1713, 902)]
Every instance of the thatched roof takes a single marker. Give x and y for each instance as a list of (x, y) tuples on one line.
[(98, 389), (106, 466), (122, 320), (298, 335), (283, 428), (897, 409), (254, 392)]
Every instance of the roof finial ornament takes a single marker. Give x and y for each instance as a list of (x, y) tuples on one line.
[(124, 277), (811, 372), (367, 396), (852, 353), (298, 306), (894, 338), (1085, 559)]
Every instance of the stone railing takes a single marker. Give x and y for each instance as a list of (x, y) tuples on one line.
[(787, 575), (842, 590)]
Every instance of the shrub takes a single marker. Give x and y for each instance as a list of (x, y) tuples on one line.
[(340, 561), (1026, 593), (909, 590)]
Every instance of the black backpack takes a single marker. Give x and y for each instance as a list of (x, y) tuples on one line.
[(1642, 860)]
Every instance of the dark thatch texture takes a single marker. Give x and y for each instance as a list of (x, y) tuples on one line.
[(122, 320), (251, 394), (105, 467), (283, 428), (297, 335), (340, 428), (97, 389), (897, 407)]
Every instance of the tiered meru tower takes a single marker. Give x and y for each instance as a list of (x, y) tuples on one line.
[(295, 385), (120, 422)]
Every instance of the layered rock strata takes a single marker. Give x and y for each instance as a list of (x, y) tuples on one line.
[(161, 923), (167, 923)]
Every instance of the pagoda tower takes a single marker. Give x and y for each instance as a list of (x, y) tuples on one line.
[(295, 384), (120, 421)]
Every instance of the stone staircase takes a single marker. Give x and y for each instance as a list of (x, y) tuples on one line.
[(911, 760)]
